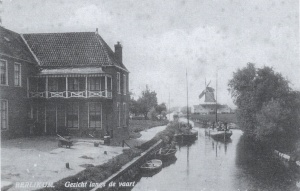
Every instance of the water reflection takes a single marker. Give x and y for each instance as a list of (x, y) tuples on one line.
[(208, 164)]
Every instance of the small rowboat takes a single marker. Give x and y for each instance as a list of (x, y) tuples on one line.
[(151, 165), (165, 153)]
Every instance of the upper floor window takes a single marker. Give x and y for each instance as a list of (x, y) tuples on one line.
[(76, 84), (124, 84), (56, 84), (118, 82), (109, 84), (52, 84), (95, 84), (3, 114), (3, 72), (17, 74)]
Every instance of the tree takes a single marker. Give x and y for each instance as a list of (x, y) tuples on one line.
[(147, 101), (133, 106), (184, 110), (268, 110), (153, 114), (160, 108)]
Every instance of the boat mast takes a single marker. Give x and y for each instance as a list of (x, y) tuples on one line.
[(187, 99), (169, 107), (217, 96)]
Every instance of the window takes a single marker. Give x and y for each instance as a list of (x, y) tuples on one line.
[(118, 83), (73, 84), (52, 85), (17, 74), (37, 84), (95, 115), (109, 84), (119, 114), (72, 115), (95, 84), (76, 84), (124, 84), (3, 72), (124, 115), (4, 115)]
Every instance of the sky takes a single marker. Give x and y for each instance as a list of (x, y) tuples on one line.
[(162, 39)]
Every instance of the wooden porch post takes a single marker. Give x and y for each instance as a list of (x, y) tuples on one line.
[(56, 118), (86, 87), (46, 86), (67, 87)]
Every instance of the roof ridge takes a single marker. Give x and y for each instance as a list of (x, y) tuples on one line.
[(27, 45), (9, 30), (106, 54), (56, 33)]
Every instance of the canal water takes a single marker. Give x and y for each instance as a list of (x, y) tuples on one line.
[(211, 165)]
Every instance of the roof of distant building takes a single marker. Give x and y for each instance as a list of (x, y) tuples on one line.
[(13, 45), (74, 49)]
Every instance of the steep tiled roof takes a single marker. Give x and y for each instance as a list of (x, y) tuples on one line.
[(11, 44), (76, 49)]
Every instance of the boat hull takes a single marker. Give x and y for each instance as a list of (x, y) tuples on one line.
[(151, 166), (165, 154), (220, 134), (187, 137)]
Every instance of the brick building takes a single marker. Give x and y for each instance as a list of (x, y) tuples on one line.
[(16, 64), (80, 84)]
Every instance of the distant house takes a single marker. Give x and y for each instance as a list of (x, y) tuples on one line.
[(81, 84)]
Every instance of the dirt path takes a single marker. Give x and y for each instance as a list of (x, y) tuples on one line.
[(33, 160)]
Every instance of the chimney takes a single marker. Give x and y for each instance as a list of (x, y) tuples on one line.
[(118, 52), (96, 32)]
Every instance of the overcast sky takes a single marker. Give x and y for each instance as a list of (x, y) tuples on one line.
[(162, 38)]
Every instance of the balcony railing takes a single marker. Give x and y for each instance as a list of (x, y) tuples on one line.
[(76, 94), (59, 87), (57, 94), (37, 94), (71, 94)]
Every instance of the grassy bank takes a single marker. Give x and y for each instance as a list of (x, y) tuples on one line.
[(166, 135), (225, 117), (135, 126)]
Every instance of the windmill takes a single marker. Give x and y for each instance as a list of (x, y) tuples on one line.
[(208, 92)]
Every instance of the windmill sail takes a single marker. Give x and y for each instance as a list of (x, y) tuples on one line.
[(202, 94), (209, 94)]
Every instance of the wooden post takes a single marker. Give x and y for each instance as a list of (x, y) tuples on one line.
[(67, 87), (56, 118), (86, 87), (46, 86)]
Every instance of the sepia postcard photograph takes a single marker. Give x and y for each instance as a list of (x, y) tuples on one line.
[(149, 95)]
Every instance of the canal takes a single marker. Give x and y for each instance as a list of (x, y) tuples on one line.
[(207, 164)]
